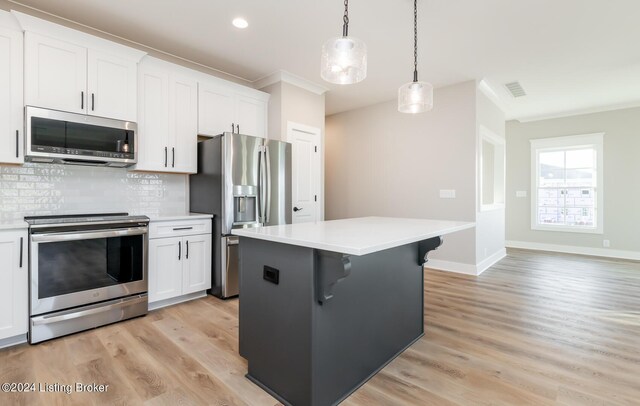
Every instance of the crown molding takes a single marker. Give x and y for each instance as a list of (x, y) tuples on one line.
[(287, 77)]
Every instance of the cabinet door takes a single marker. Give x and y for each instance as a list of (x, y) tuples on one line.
[(153, 120), (183, 119), (165, 268), (216, 109), (55, 74), (11, 103), (252, 116), (111, 85), (14, 294), (197, 264)]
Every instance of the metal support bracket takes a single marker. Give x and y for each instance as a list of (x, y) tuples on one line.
[(331, 268), (426, 246)]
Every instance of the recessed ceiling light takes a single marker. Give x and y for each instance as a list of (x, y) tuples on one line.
[(240, 23)]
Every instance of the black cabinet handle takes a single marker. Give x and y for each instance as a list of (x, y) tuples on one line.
[(81, 100), (179, 250), (165, 157), (183, 228), (233, 128), (173, 157), (296, 209), (21, 250), (187, 249), (17, 144), (93, 101), (237, 128)]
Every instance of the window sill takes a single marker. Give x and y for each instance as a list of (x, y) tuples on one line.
[(565, 229)]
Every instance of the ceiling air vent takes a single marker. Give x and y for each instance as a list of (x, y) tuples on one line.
[(515, 88)]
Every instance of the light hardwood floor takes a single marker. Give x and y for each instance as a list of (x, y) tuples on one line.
[(536, 329)]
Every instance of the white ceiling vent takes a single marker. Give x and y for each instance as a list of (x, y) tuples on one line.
[(515, 88)]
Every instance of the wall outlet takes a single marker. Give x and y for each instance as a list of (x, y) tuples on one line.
[(447, 193), (521, 193), (606, 243)]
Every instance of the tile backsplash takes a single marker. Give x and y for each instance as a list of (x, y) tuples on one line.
[(44, 189)]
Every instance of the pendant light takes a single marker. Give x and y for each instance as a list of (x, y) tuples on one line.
[(344, 59), (415, 97)]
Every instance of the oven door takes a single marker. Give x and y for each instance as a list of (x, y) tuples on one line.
[(76, 268)]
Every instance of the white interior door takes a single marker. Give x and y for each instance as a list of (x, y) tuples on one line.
[(305, 172)]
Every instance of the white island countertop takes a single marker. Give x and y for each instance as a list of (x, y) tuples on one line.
[(357, 236)]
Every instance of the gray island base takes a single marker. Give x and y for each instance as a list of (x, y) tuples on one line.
[(316, 324)]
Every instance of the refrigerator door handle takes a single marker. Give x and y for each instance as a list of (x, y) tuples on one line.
[(263, 185), (268, 184)]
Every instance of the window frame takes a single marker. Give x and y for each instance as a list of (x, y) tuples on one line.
[(538, 145)]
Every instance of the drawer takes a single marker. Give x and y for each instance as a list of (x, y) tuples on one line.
[(177, 228)]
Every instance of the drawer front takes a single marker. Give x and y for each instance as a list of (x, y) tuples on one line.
[(177, 228)]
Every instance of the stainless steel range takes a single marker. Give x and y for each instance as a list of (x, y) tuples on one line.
[(85, 271)]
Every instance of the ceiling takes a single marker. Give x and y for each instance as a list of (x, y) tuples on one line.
[(569, 55)]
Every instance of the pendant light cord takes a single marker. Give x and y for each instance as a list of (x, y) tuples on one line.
[(345, 19), (415, 40)]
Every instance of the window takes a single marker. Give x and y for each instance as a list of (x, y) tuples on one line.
[(566, 183)]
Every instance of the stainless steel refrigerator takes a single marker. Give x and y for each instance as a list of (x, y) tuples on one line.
[(243, 181)]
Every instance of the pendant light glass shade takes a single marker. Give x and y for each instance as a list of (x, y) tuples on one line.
[(344, 59), (415, 97)]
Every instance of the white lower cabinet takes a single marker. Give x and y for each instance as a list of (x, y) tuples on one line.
[(179, 263), (14, 291)]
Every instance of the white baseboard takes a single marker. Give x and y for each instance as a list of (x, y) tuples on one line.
[(467, 269), (450, 266), (571, 249), (490, 261), (11, 341), (175, 300)]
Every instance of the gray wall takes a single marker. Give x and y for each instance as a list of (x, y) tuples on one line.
[(621, 178), (385, 163)]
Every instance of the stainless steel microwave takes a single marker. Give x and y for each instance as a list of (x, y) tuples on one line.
[(77, 139)]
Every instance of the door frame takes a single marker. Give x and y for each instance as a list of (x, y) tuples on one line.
[(317, 132)]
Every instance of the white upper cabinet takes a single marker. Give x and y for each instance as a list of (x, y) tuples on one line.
[(216, 109), (183, 119), (76, 72), (252, 116), (153, 119), (111, 86), (222, 106), (11, 103), (55, 74), (168, 118)]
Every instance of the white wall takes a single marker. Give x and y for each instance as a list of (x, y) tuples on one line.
[(44, 189), (621, 181), (490, 225), (385, 163), (290, 103)]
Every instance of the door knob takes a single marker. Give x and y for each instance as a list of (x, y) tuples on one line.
[(297, 209)]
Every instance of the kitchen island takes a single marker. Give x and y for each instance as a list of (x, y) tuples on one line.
[(324, 306)]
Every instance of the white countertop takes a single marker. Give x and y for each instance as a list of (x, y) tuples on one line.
[(187, 216), (13, 225), (357, 236)]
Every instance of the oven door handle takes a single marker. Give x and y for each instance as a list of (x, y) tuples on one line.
[(99, 308), (88, 235)]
